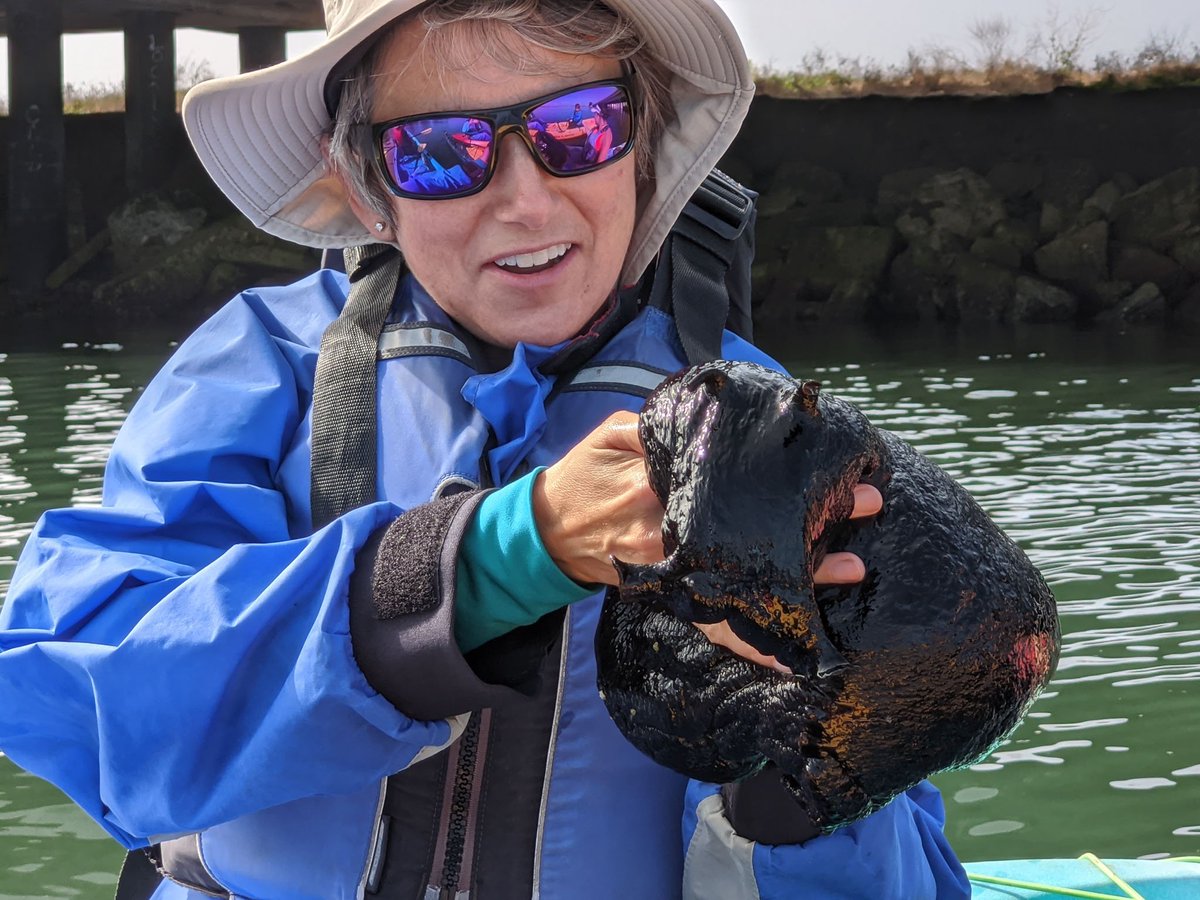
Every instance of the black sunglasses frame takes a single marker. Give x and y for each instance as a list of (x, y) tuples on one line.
[(504, 120)]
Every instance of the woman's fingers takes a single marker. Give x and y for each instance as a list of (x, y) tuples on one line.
[(722, 635), (840, 568), (867, 501), (835, 568)]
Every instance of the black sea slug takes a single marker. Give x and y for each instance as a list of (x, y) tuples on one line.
[(925, 666)]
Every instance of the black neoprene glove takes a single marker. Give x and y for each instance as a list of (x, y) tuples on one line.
[(761, 809)]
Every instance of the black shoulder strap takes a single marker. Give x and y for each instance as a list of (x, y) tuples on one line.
[(344, 414), (703, 273)]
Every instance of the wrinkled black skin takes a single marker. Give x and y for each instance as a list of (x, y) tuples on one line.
[(924, 666)]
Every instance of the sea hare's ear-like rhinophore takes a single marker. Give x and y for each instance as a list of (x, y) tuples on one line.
[(711, 379), (806, 396)]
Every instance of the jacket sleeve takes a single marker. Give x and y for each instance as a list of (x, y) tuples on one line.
[(178, 657), (897, 853), (405, 601)]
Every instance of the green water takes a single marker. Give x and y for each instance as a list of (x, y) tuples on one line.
[(1085, 447)]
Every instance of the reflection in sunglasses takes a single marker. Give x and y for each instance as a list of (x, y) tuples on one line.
[(450, 155)]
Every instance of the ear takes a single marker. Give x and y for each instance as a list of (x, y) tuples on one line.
[(370, 219), (374, 223)]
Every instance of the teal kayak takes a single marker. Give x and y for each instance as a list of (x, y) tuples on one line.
[(1088, 877)]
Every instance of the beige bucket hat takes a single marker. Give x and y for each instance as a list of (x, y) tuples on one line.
[(257, 134)]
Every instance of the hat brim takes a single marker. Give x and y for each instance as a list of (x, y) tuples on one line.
[(258, 134)]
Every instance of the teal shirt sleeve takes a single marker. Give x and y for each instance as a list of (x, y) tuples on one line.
[(506, 578)]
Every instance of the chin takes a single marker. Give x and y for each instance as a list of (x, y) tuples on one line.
[(546, 329)]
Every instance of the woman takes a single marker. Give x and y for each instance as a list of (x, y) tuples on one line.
[(292, 695)]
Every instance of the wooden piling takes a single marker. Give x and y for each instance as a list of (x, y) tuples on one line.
[(150, 120), (36, 239), (260, 46)]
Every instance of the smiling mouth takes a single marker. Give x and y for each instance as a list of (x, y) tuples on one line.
[(539, 261)]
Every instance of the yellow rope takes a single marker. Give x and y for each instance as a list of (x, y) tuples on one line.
[(1130, 893), (1116, 879), (1043, 888)]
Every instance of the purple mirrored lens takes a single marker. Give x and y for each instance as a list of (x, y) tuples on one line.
[(438, 157), (582, 129)]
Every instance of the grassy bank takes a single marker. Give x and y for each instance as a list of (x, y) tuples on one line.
[(1000, 60), (923, 79)]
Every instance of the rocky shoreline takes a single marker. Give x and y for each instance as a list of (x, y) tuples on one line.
[(1021, 243)]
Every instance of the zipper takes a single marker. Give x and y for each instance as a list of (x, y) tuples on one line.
[(373, 870), (558, 704), (454, 855)]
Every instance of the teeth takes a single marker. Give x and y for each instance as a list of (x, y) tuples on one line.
[(530, 260)]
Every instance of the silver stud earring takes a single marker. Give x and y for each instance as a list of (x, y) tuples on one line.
[(379, 226)]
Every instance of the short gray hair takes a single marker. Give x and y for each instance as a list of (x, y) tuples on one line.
[(457, 29)]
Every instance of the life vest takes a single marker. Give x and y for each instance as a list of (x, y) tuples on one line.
[(582, 796), (590, 799)]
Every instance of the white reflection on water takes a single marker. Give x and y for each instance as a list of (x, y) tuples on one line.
[(81, 409), (92, 419)]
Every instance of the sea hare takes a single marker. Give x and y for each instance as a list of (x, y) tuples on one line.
[(925, 666)]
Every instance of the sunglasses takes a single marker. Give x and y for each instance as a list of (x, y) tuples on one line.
[(443, 155)]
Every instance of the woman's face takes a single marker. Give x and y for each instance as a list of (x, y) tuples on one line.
[(457, 248)]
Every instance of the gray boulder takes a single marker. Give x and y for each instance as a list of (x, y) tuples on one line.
[(1052, 223), (1107, 294), (1078, 257), (1104, 199), (997, 252), (898, 191), (1186, 251), (828, 257), (1037, 302), (146, 224), (208, 259), (961, 203), (1140, 265), (1020, 234), (1159, 213), (1146, 304), (983, 291), (918, 287)]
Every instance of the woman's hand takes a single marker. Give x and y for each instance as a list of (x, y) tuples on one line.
[(835, 568), (595, 504)]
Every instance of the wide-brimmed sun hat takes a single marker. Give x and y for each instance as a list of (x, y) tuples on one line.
[(258, 134)]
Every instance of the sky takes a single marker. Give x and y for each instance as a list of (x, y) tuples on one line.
[(777, 33)]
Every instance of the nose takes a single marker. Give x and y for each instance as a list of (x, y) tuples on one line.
[(521, 191)]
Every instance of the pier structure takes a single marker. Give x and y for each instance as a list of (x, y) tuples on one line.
[(36, 233)]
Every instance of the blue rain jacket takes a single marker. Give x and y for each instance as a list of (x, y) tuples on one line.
[(178, 660)]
